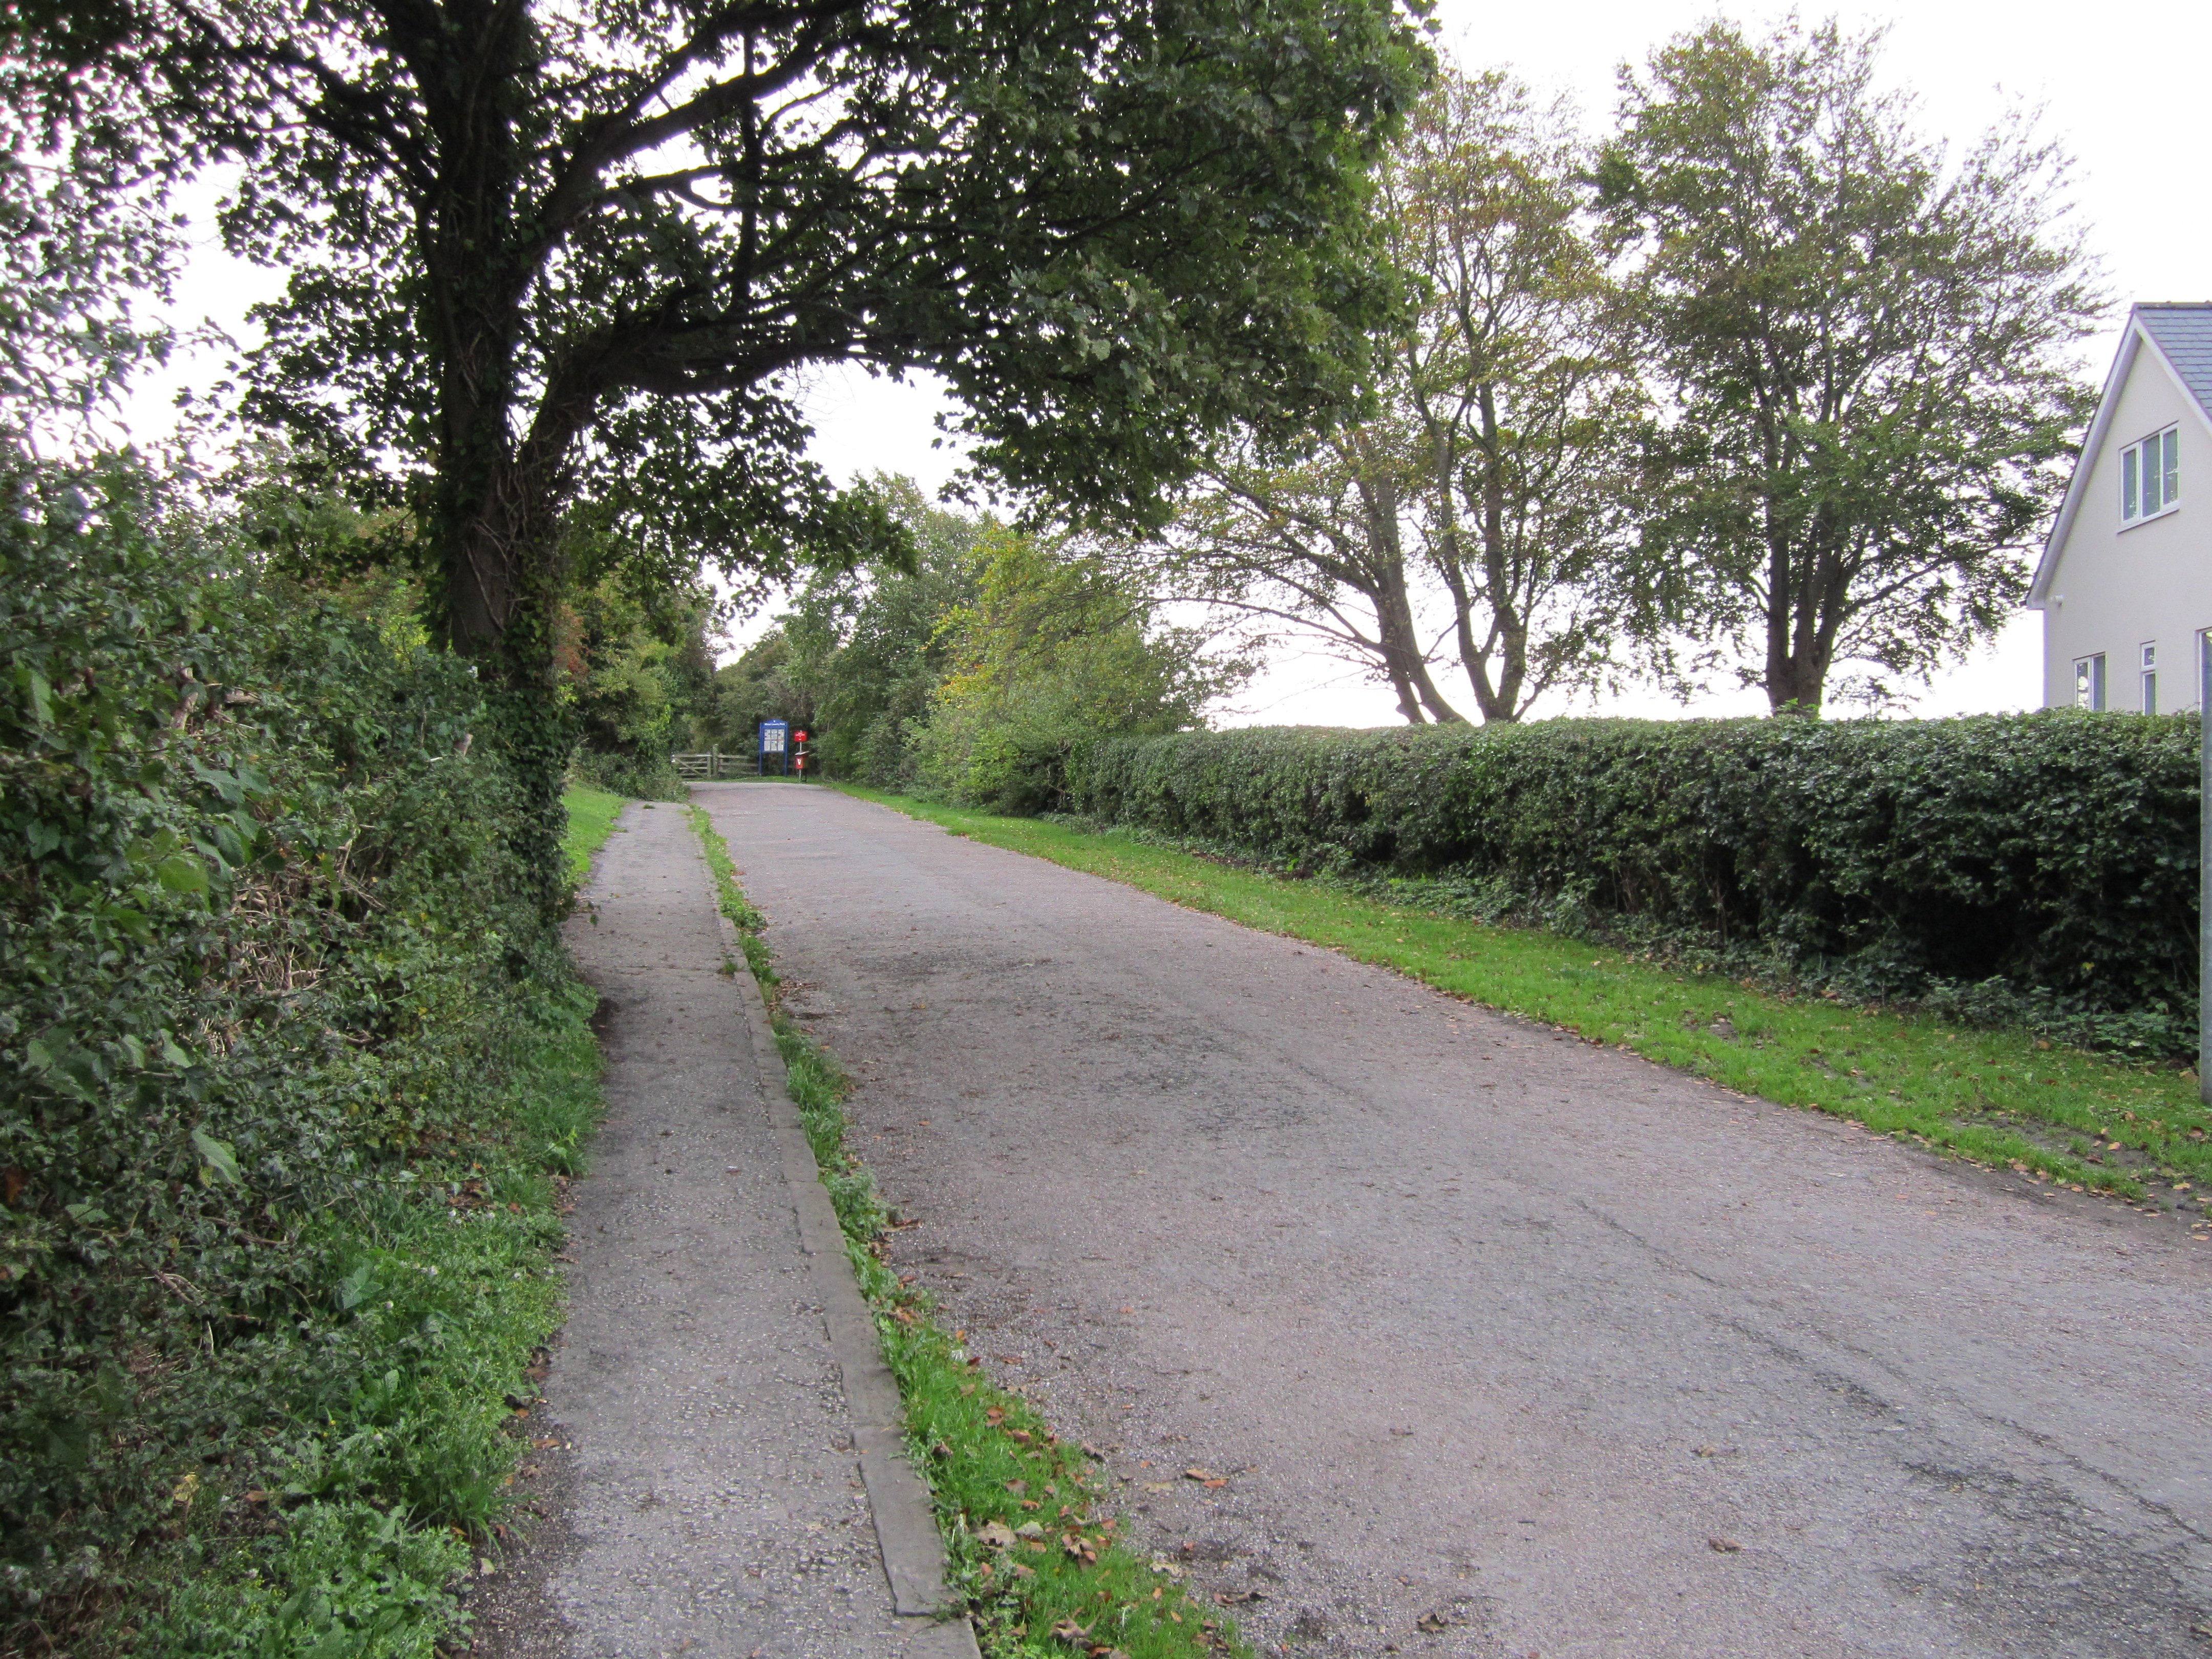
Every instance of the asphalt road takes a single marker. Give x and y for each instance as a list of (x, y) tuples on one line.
[(1546, 1349)]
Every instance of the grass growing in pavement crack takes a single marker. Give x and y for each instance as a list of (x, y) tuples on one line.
[(1031, 1544), (2001, 1097)]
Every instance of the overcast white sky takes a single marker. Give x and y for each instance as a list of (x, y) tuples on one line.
[(2125, 96)]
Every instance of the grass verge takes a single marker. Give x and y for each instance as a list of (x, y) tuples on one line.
[(591, 815), (1032, 1545), (2000, 1097), (397, 1424), (393, 1423)]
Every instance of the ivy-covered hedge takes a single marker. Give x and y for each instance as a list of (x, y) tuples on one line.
[(286, 1054), (2055, 852)]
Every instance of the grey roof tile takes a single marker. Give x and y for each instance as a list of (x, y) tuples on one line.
[(2183, 334)]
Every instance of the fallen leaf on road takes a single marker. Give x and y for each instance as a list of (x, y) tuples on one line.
[(1205, 1476), (1725, 1545), (1431, 1622)]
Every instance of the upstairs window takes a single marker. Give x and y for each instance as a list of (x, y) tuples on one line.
[(2150, 476)]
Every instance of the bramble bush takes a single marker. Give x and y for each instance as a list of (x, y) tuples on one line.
[(288, 1060), (2037, 867)]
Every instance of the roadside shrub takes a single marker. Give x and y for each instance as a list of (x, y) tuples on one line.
[(273, 1210), (2043, 864), (1053, 649), (633, 777)]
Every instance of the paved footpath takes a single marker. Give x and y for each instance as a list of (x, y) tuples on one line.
[(1505, 1344), (701, 1455)]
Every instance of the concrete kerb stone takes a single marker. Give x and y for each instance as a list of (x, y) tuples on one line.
[(898, 1500)]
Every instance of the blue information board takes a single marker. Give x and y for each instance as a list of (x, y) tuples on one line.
[(775, 736)]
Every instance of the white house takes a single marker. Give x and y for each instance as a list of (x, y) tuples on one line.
[(2126, 584)]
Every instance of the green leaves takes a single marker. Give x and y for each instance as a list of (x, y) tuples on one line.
[(218, 1162), (263, 952), (1481, 495), (1111, 232), (179, 873), (355, 1287), (1869, 352)]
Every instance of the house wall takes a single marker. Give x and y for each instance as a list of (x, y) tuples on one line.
[(2115, 589)]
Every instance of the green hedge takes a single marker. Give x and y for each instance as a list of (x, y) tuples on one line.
[(286, 1053), (2054, 854)]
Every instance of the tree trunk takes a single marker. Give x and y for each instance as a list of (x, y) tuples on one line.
[(1396, 630), (1795, 688), (500, 589), (1808, 598), (1407, 665)]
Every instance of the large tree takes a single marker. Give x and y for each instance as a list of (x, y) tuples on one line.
[(542, 253), (1867, 347), (1475, 518)]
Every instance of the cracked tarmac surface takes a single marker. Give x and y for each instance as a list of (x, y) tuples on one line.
[(1507, 1344)]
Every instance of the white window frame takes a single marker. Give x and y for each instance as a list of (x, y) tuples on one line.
[(2150, 677), (2089, 681), (2162, 449)]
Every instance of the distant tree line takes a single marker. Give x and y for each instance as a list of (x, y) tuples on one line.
[(1761, 387), (971, 669), (1764, 386)]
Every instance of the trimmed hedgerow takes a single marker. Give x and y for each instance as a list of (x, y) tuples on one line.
[(2048, 861)]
